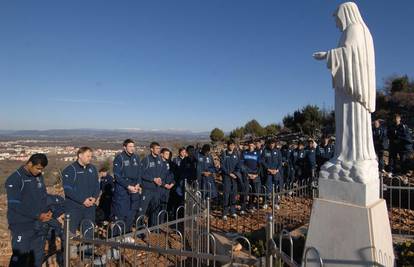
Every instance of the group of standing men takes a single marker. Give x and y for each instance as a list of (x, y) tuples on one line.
[(255, 170), (140, 187), (397, 140), (144, 187)]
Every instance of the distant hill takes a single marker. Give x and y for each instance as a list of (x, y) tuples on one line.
[(104, 134)]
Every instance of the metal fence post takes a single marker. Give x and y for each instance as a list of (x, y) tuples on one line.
[(273, 201), (66, 244), (185, 210), (208, 214), (208, 228), (269, 239)]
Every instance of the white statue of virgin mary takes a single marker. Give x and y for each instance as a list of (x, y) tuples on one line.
[(352, 65)]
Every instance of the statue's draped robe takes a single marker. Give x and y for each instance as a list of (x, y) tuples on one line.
[(352, 65)]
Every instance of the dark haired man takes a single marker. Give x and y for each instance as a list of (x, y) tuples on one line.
[(106, 182), (323, 152), (286, 153), (298, 162), (81, 186), (251, 161), (379, 134), (310, 161), (205, 173), (272, 165), (168, 182), (178, 170), (27, 212), (177, 192), (293, 154), (127, 172), (189, 165), (152, 170), (259, 147), (401, 145), (230, 169)]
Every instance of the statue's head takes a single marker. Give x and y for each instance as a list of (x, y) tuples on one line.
[(347, 14)]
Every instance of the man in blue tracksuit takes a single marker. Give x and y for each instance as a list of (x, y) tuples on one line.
[(81, 186), (285, 172), (126, 202), (205, 173), (230, 170), (54, 227), (177, 193), (323, 152), (401, 145), (167, 181), (56, 204), (310, 160), (251, 162), (272, 165), (182, 153), (107, 185), (152, 168), (293, 155), (298, 162), (259, 148), (379, 134), (27, 212), (189, 165)]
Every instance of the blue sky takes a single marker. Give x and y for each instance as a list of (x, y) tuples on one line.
[(178, 64)]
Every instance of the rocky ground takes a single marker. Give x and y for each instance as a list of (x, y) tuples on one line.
[(293, 212)]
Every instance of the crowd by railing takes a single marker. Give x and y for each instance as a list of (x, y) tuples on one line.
[(195, 244), (189, 239)]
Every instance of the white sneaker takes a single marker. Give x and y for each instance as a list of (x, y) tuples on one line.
[(265, 206), (128, 239), (73, 252), (389, 175), (242, 212), (234, 215), (112, 253), (224, 218), (277, 207), (99, 261)]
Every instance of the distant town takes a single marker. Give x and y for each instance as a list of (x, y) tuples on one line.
[(21, 151), (61, 146)]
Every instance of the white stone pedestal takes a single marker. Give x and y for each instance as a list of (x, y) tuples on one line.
[(350, 235), (348, 192)]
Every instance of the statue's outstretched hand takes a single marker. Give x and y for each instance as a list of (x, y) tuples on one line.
[(320, 55)]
